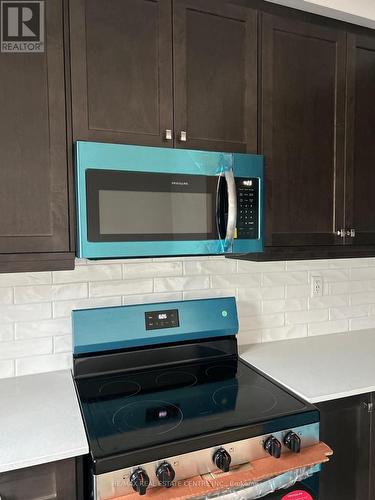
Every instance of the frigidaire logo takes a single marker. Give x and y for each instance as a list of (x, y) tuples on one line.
[(180, 183), (22, 26)]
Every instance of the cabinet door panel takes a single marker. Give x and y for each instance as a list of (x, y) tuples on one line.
[(215, 75), (303, 112), (33, 161), (122, 70), (360, 205), (55, 480), (345, 425)]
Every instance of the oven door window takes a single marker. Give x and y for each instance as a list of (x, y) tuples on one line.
[(140, 206)]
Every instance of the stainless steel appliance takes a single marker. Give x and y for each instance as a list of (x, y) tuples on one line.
[(135, 201), (165, 397)]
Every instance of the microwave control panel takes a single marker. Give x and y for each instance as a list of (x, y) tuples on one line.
[(247, 208)]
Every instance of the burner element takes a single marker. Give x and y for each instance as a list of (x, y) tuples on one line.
[(249, 400), (152, 417), (120, 388), (176, 378)]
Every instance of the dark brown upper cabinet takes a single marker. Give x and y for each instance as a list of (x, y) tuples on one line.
[(121, 59), (123, 86), (303, 131), (360, 179), (34, 167), (215, 76)]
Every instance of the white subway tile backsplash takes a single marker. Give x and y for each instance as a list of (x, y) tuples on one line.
[(149, 298), (285, 278), (62, 343), (7, 368), (6, 332), (30, 347), (45, 328), (263, 293), (64, 308), (123, 287), (185, 283), (348, 312), (246, 266), (18, 279), (209, 293), (272, 306), (258, 322), (362, 323), (199, 267), (236, 280), (295, 318), (12, 313), (340, 325), (6, 295), (39, 364), (328, 301), (152, 269), (283, 333), (273, 299), (100, 272), (48, 293)]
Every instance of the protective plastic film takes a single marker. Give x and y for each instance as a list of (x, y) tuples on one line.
[(261, 489)]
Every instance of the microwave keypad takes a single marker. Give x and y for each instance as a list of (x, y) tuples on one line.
[(248, 211)]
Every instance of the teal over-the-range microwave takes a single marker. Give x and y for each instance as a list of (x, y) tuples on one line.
[(136, 201)]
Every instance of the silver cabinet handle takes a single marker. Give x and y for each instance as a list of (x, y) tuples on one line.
[(341, 233), (183, 136), (232, 205), (351, 233), (168, 137)]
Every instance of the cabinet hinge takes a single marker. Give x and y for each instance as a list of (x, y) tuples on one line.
[(368, 406)]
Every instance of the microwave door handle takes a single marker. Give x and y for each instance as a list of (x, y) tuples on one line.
[(232, 206)]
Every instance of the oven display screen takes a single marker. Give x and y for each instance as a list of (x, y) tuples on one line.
[(155, 320)]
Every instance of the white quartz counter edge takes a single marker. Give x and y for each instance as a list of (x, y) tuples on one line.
[(320, 368), (40, 420)]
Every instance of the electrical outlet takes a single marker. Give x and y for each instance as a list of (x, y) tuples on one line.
[(316, 286)]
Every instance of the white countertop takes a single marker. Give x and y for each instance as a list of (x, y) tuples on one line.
[(319, 368), (40, 420)]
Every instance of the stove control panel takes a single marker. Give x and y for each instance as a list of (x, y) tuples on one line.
[(155, 320), (169, 471)]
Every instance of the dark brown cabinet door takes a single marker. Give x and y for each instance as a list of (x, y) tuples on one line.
[(345, 425), (302, 137), (360, 182), (215, 75), (121, 57), (54, 480), (33, 162)]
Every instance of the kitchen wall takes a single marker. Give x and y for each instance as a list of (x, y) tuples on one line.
[(273, 300)]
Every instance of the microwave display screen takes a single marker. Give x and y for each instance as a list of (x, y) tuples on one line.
[(152, 212)]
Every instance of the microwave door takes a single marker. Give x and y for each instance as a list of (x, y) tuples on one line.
[(135, 207)]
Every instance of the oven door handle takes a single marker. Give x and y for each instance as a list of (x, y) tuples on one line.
[(226, 209)]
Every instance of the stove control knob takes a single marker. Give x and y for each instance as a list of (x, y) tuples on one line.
[(140, 481), (165, 474), (273, 447), (222, 459), (293, 442)]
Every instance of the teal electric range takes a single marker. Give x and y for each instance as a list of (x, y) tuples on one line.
[(165, 398), (135, 201)]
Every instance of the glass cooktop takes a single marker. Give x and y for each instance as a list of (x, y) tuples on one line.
[(141, 409)]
